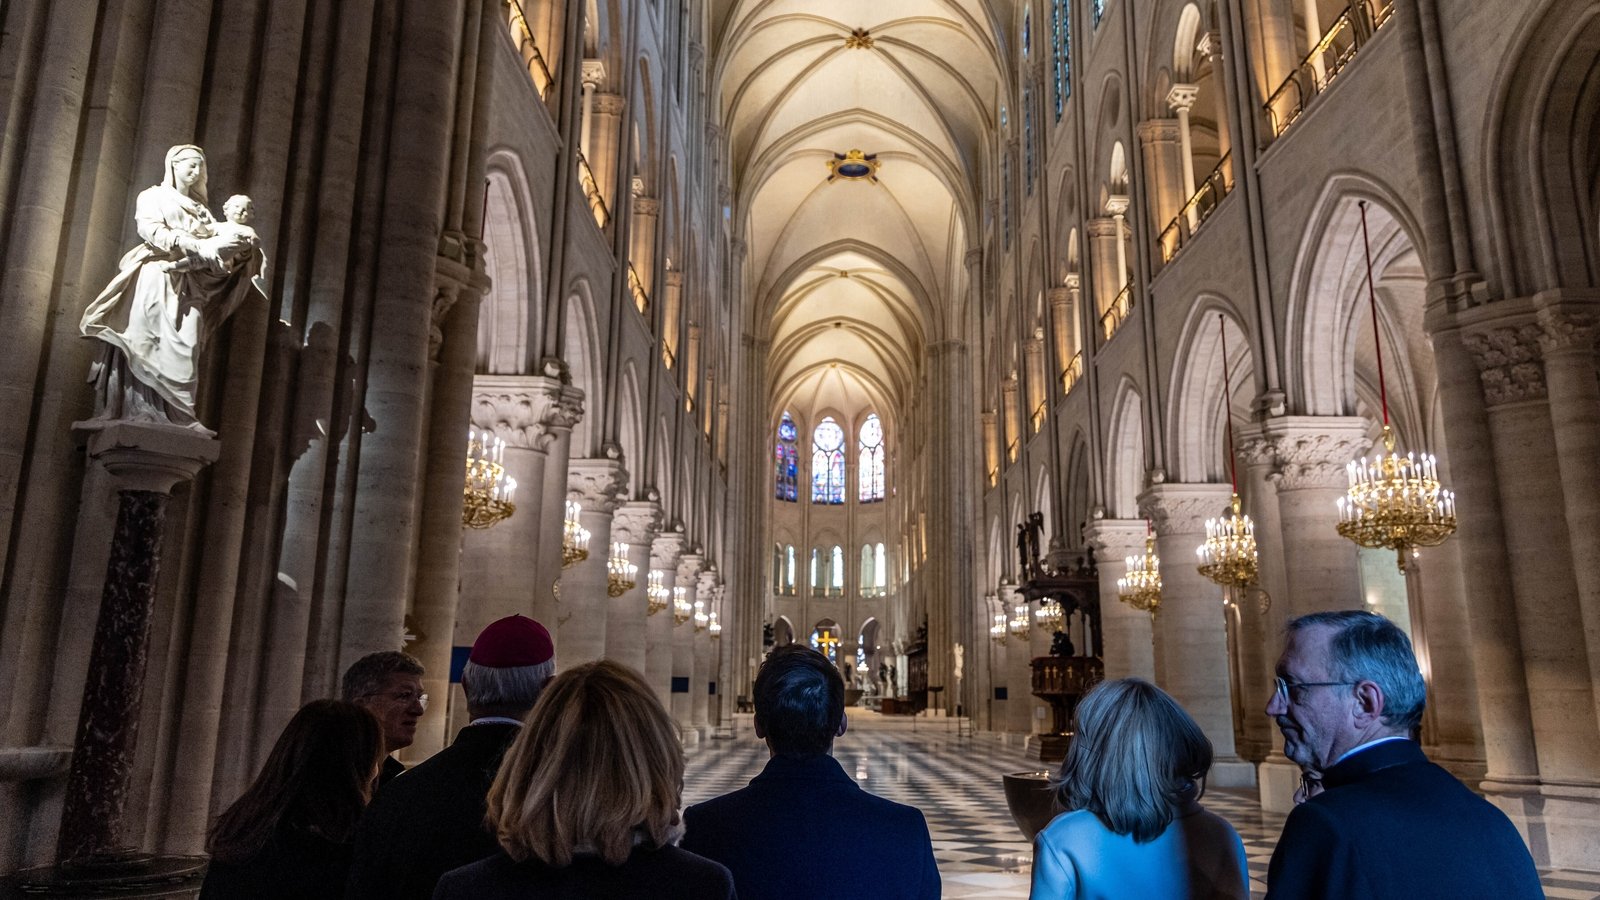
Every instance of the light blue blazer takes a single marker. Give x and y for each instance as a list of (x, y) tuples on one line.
[(1198, 857)]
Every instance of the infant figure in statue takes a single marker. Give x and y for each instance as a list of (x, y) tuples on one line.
[(188, 274)]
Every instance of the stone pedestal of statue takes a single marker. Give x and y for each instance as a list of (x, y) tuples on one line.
[(142, 462)]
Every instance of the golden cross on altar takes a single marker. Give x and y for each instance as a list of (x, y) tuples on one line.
[(827, 642)]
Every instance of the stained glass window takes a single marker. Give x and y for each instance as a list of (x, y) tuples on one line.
[(869, 470), (818, 576), (1027, 138), (868, 576), (1060, 38), (777, 569), (1027, 32), (836, 571), (1099, 11), (881, 572), (1005, 195), (788, 571), (787, 461), (827, 463)]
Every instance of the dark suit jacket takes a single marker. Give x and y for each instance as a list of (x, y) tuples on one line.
[(649, 874), (1390, 824), (391, 768), (804, 829), (429, 820), (294, 865)]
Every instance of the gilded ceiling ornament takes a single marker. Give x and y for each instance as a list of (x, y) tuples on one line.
[(859, 39), (854, 166)]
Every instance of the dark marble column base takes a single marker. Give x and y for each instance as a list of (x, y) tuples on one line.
[(126, 874)]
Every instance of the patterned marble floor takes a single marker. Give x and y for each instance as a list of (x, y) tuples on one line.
[(954, 779)]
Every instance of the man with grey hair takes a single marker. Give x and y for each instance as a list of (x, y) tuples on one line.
[(431, 819), (389, 684), (1388, 823)]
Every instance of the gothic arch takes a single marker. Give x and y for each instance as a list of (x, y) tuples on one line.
[(582, 353), (513, 310), (1125, 465), (1199, 414)]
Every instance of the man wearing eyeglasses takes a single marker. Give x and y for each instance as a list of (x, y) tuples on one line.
[(1388, 823), (389, 685)]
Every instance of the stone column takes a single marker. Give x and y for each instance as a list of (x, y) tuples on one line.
[(1164, 157), (551, 498), (690, 566), (671, 294), (1125, 632), (1181, 98), (950, 623), (1117, 207), (1260, 622), (1313, 31), (634, 523), (664, 552), (1019, 675), (581, 617), (642, 254), (710, 583), (144, 462), (594, 73), (1191, 640), (1062, 309), (606, 135), (1038, 387), (1103, 279), (1011, 431), (1211, 45), (1311, 454)]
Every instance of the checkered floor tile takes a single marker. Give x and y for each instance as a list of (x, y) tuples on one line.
[(954, 780)]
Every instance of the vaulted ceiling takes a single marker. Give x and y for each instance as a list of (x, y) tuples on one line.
[(854, 277)]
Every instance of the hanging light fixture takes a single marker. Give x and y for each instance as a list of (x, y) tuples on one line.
[(1394, 502), (1019, 620), (486, 495), (574, 537), (681, 610), (715, 627), (1140, 588), (656, 592), (1228, 557), (997, 631), (619, 572), (1049, 617), (702, 619)]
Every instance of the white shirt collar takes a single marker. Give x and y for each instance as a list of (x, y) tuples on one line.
[(495, 720), (1360, 747)]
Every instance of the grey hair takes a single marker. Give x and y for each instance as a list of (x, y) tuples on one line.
[(366, 676), (515, 686), (1368, 647), (1135, 759)]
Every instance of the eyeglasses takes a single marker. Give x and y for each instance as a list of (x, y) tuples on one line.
[(404, 698), (1283, 687)]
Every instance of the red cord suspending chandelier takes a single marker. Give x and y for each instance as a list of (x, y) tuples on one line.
[(1394, 502)]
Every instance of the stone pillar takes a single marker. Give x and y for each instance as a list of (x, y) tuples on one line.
[(1103, 279), (144, 462), (1062, 309), (1191, 640), (700, 684), (1038, 387), (606, 135), (1311, 454), (1011, 432), (1019, 674), (671, 302), (664, 552), (1312, 23), (636, 524), (1259, 623), (991, 446), (690, 566), (1164, 157), (581, 617), (642, 253), (1117, 207), (951, 623), (1181, 98), (594, 73), (1126, 633), (1211, 46)]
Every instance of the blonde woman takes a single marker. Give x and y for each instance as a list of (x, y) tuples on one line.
[(1135, 828), (586, 801)]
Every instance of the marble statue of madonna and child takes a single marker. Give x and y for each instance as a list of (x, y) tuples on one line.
[(189, 273)]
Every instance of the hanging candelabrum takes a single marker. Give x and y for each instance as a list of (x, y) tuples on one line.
[(574, 537), (1394, 502), (1019, 620), (656, 593), (681, 610), (997, 631), (1140, 588), (1228, 557), (619, 572), (486, 496), (702, 619), (714, 626), (1048, 617)]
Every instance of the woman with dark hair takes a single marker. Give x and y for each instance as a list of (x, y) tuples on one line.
[(586, 801), (289, 835), (1135, 828)]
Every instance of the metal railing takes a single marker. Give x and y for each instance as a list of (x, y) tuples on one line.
[(994, 477), (1038, 417), (1348, 33), (667, 356), (591, 190), (1073, 372), (1011, 450), (641, 297), (528, 48), (1200, 207), (1118, 312)]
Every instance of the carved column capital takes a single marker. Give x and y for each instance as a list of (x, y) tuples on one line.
[(1117, 206), (1153, 131), (1309, 451), (636, 522), (689, 567), (1182, 96), (1101, 227), (1184, 508), (646, 206), (1061, 296), (1510, 362), (708, 579), (1567, 331), (665, 550), (1115, 539), (606, 104), (594, 73), (526, 411), (1210, 45), (598, 484)]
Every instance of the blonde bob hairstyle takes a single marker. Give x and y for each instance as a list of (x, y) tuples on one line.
[(1136, 759), (597, 769)]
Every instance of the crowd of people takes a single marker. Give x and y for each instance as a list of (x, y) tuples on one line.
[(569, 785)]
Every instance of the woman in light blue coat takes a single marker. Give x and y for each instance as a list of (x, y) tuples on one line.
[(1135, 828)]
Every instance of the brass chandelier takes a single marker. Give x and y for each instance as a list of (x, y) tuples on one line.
[(619, 571), (486, 496), (715, 627), (997, 631), (1019, 620), (1140, 588), (681, 610), (702, 619), (1394, 502), (1049, 617), (656, 593), (574, 537), (1228, 557)]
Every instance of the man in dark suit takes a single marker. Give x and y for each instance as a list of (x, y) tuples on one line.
[(803, 828), (1388, 823), (389, 685), (431, 819)]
